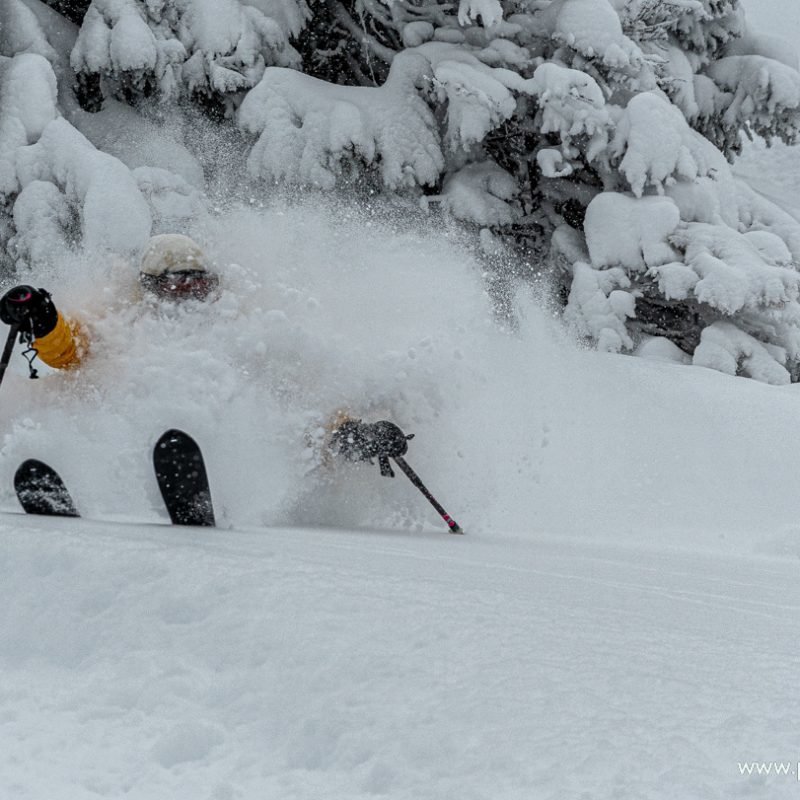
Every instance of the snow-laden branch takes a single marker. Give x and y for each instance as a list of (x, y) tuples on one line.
[(481, 193), (308, 130), (763, 94), (744, 284), (195, 46), (655, 146)]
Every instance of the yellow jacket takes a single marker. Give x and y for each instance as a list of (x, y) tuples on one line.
[(63, 347)]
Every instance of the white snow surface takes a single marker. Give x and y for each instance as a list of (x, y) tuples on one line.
[(617, 622), (151, 662)]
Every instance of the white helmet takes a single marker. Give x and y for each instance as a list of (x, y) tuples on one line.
[(175, 268), (173, 252)]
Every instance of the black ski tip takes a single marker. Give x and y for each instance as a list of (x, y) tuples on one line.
[(182, 479), (40, 490), (175, 437)]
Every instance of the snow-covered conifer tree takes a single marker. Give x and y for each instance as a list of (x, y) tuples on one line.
[(594, 136), (557, 125)]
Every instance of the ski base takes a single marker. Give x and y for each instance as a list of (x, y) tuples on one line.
[(40, 490), (182, 479)]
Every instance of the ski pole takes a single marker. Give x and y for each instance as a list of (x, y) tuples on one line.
[(12, 337), (414, 478)]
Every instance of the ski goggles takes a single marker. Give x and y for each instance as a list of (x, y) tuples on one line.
[(185, 285)]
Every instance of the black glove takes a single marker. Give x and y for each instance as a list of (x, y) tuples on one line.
[(362, 441), (31, 309)]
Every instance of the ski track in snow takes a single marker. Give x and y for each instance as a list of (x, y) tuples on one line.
[(157, 662)]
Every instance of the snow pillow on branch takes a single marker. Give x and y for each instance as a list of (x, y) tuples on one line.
[(489, 11), (655, 145), (58, 187), (733, 273), (592, 29), (481, 193), (116, 41), (761, 94), (677, 271), (101, 190), (756, 213), (572, 105), (478, 97), (231, 44), (726, 348), (44, 222), (706, 27), (625, 236), (211, 49), (599, 306), (312, 132), (623, 231), (28, 94)]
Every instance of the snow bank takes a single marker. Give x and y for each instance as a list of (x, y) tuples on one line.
[(284, 664)]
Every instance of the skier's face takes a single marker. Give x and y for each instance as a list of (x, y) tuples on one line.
[(186, 285)]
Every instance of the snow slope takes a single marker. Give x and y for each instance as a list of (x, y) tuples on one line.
[(148, 662), (775, 18)]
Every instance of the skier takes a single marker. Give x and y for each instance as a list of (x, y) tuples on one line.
[(173, 267)]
